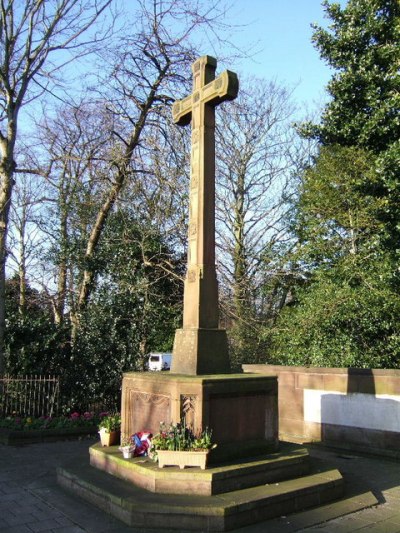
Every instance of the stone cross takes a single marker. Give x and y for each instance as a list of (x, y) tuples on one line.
[(200, 346)]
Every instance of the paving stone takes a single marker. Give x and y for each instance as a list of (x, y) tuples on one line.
[(68, 529), (16, 529), (61, 518), (19, 519), (9, 488), (5, 506), (346, 525), (14, 497), (382, 527), (43, 514), (382, 512), (6, 514), (44, 525), (40, 503), (396, 518), (29, 508)]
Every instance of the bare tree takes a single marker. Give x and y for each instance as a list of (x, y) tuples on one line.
[(120, 148), (25, 238), (75, 148), (148, 71), (256, 145), (161, 192), (32, 35)]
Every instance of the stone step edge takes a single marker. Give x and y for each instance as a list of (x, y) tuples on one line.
[(290, 455), (220, 512), (292, 461)]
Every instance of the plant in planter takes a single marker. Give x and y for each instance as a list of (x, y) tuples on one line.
[(178, 445), (109, 429), (203, 441), (127, 447)]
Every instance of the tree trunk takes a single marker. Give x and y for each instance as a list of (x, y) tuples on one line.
[(7, 183), (239, 257), (59, 305), (89, 274), (22, 264)]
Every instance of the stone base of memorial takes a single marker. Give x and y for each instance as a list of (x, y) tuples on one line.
[(241, 410), (192, 347), (219, 498)]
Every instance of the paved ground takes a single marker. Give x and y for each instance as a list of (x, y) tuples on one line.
[(31, 500)]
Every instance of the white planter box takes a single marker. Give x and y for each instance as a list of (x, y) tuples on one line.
[(182, 459)]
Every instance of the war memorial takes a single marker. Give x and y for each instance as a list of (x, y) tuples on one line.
[(251, 476)]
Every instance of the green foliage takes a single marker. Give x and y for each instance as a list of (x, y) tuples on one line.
[(33, 343), (174, 437), (110, 422), (346, 310), (134, 309), (246, 342), (337, 207), (203, 441), (347, 317), (362, 44), (179, 437)]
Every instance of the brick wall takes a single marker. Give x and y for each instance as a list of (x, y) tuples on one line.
[(352, 408)]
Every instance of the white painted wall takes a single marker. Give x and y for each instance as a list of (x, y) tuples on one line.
[(381, 411)]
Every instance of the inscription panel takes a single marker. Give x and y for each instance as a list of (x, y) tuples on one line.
[(148, 410), (245, 417)]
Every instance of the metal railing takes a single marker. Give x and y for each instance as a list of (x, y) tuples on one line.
[(29, 395)]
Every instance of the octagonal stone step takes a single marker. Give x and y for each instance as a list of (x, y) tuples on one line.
[(291, 461), (187, 512)]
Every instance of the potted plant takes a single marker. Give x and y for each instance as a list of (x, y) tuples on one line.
[(127, 447), (178, 445), (109, 429)]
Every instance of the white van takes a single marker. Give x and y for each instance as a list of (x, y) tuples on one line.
[(160, 361)]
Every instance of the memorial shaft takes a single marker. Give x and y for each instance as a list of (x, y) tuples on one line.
[(200, 346)]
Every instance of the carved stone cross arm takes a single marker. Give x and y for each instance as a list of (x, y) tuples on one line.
[(214, 92)]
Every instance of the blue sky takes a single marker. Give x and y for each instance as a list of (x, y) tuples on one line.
[(280, 30)]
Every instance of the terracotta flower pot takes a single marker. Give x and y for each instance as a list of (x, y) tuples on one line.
[(109, 438), (182, 458)]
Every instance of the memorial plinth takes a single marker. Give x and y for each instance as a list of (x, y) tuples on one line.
[(241, 410), (193, 345)]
